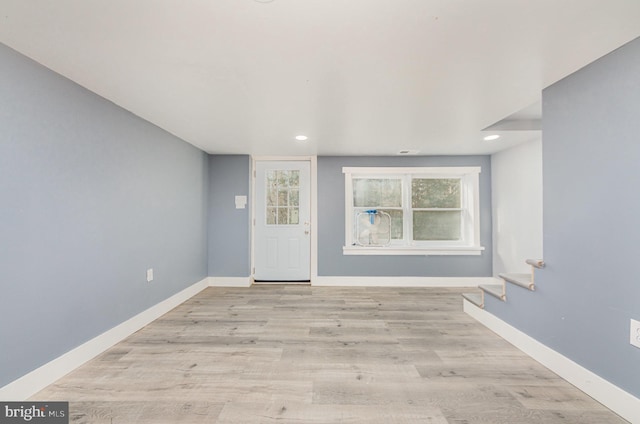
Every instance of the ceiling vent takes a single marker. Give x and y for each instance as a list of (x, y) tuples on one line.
[(408, 152)]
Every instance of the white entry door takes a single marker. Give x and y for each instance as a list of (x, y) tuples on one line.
[(282, 247)]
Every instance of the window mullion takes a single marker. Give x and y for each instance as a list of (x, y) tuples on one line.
[(349, 207), (406, 210)]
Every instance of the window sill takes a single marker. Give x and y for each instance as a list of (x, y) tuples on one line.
[(416, 251)]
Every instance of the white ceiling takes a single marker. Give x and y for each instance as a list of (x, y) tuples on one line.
[(356, 76)]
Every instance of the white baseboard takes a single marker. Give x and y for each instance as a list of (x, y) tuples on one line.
[(229, 281), (31, 383), (619, 401), (402, 281)]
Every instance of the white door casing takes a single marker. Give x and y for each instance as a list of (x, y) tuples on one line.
[(282, 247)]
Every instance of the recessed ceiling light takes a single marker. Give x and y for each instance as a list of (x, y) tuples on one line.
[(301, 137), (491, 137)]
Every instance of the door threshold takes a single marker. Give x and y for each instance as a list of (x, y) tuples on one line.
[(279, 282)]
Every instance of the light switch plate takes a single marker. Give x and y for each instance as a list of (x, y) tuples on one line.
[(149, 275), (241, 202), (634, 333)]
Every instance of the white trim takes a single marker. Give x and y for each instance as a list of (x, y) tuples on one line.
[(314, 216), (401, 281), (281, 158), (475, 210), (230, 281), (373, 250), (348, 208), (422, 170), (252, 218), (47, 374), (613, 397)]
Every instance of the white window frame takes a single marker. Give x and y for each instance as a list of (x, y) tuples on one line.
[(470, 205)]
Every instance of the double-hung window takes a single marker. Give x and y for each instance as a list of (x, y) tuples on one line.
[(432, 210)]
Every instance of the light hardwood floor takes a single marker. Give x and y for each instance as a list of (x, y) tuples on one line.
[(300, 354)]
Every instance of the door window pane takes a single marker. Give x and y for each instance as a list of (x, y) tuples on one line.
[(283, 216), (283, 197), (436, 225), (294, 197), (272, 216), (283, 178), (294, 178), (294, 216), (272, 179), (272, 197)]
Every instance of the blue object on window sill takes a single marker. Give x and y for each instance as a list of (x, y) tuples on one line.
[(372, 215)]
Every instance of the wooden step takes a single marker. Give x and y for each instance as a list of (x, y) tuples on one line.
[(495, 290), (522, 280), (536, 263), (475, 298)]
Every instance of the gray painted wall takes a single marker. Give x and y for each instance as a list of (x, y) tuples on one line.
[(90, 197), (591, 171), (229, 238), (331, 261)]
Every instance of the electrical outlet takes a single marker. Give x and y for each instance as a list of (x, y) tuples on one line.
[(149, 275), (634, 334)]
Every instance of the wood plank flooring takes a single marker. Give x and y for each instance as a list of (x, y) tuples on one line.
[(301, 354)]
